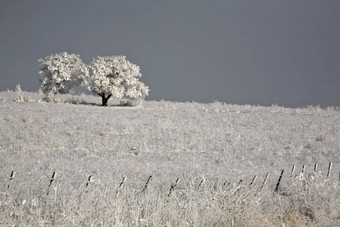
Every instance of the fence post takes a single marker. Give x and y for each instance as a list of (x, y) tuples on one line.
[(147, 183), (89, 179), (121, 183), (264, 181), (329, 169), (278, 182), (173, 186), (51, 182), (200, 184), (301, 177), (292, 172), (253, 180), (11, 178)]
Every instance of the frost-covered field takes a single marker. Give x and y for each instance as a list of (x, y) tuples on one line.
[(218, 143)]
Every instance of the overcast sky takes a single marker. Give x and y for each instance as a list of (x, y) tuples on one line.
[(242, 51)]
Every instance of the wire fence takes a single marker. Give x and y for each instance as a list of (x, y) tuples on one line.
[(259, 180)]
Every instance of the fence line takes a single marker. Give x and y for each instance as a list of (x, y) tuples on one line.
[(174, 184)]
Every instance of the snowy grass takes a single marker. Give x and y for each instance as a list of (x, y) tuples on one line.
[(217, 142), (103, 203)]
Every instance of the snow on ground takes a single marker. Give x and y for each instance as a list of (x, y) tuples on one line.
[(214, 139), (163, 139)]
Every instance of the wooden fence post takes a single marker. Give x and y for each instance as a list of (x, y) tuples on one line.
[(122, 182), (51, 182), (11, 178), (200, 184), (253, 180), (120, 185), (147, 183), (264, 181), (329, 169), (173, 186), (278, 182), (301, 176), (89, 179), (292, 172)]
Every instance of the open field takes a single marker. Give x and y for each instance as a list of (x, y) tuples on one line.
[(218, 143)]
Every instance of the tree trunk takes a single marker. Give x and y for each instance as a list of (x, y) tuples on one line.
[(104, 99)]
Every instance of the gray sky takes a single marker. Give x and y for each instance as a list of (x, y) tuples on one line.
[(243, 52)]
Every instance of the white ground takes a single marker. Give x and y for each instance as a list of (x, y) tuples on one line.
[(216, 142)]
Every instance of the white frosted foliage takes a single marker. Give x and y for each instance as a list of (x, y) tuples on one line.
[(61, 73), (115, 77)]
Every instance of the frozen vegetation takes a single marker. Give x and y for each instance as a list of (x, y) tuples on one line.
[(107, 77), (214, 150)]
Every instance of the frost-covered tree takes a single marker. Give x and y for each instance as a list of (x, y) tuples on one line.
[(115, 77), (61, 73)]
